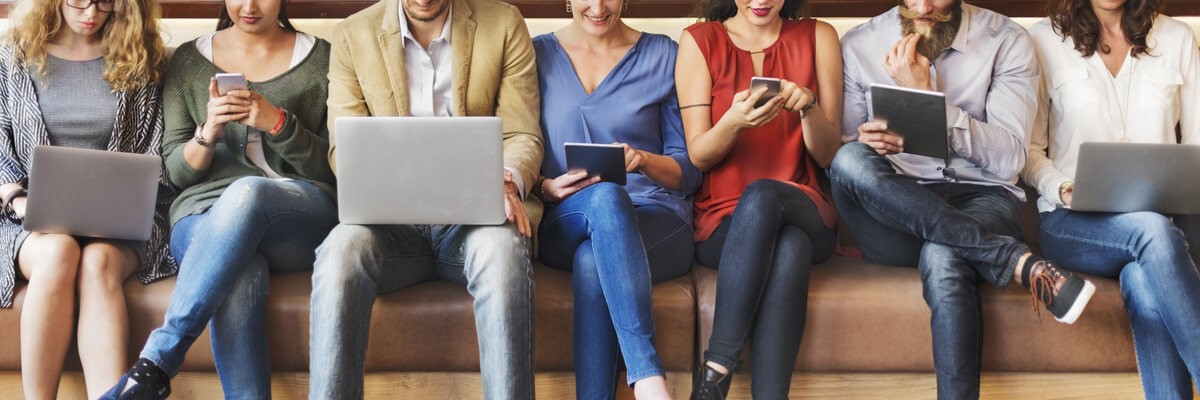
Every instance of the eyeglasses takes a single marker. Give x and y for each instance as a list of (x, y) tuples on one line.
[(101, 5)]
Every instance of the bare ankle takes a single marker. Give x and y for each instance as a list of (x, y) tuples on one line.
[(717, 367), (651, 387)]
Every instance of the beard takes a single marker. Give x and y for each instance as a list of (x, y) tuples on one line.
[(426, 17), (936, 38)]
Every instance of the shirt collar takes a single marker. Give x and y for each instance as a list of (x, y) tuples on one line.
[(964, 30), (407, 34)]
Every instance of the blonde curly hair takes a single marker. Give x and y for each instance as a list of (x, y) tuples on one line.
[(133, 56)]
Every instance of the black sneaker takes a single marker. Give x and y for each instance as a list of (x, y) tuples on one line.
[(1063, 293), (157, 385), (711, 386)]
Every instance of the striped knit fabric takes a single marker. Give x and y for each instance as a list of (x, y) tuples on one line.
[(137, 129)]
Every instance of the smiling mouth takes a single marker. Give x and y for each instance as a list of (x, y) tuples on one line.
[(596, 19)]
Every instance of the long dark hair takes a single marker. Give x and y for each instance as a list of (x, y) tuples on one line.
[(720, 10), (1075, 19), (224, 21)]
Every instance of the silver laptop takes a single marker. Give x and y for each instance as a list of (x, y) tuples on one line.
[(420, 170), (93, 193), (1124, 177)]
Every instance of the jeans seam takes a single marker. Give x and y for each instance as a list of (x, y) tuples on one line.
[(666, 237), (1090, 241), (566, 214)]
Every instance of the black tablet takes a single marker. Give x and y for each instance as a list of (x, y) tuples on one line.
[(917, 115), (605, 160)]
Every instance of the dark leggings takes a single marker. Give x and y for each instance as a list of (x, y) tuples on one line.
[(763, 255)]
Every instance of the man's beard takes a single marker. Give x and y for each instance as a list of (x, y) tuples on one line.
[(934, 39)]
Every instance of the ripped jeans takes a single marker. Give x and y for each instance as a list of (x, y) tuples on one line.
[(256, 226)]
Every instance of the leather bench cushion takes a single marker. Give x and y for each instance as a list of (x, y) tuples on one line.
[(865, 317), (427, 327)]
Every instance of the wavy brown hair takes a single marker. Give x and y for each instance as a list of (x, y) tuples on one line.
[(721, 10), (1077, 20), (133, 49)]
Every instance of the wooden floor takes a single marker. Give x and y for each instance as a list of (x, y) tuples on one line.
[(560, 385)]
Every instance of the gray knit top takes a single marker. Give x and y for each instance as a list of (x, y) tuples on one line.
[(78, 105)]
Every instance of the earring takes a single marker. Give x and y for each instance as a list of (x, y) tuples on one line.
[(568, 7), (625, 7)]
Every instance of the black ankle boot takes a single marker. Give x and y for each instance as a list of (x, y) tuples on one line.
[(712, 385)]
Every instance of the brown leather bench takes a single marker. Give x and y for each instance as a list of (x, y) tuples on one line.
[(425, 328)]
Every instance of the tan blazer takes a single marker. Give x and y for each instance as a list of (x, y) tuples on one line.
[(494, 74)]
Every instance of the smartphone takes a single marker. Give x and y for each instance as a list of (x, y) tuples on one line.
[(772, 85), (227, 82)]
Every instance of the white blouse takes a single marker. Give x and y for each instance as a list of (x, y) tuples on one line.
[(1082, 102)]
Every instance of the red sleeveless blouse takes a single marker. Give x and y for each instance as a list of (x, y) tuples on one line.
[(773, 151)]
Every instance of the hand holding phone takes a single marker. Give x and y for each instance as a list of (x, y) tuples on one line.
[(772, 85), (230, 81)]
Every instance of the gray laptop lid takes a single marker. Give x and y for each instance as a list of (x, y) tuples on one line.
[(420, 170), (1124, 177), (93, 193)]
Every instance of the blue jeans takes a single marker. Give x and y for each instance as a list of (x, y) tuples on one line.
[(257, 224), (1159, 281), (957, 234), (615, 250), (763, 255), (357, 262)]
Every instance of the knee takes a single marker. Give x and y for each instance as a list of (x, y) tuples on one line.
[(1156, 233), (606, 206), (1138, 293), (345, 255), (603, 193), (102, 264), (500, 244), (248, 195), (760, 197), (498, 256), (851, 162), (54, 258)]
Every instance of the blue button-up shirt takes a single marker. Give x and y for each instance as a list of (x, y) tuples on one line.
[(989, 75)]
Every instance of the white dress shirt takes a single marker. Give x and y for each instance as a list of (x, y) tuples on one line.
[(1083, 102), (429, 71)]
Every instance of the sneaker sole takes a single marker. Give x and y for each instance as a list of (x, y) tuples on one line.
[(1085, 295)]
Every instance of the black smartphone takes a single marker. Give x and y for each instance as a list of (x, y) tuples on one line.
[(772, 85)]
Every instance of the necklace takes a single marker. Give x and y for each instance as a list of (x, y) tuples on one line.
[(1123, 108)]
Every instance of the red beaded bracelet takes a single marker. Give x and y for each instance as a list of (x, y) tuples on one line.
[(279, 124)]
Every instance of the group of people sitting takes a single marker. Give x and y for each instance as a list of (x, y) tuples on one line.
[(718, 173)]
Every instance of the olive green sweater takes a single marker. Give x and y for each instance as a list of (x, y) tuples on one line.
[(298, 151)]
